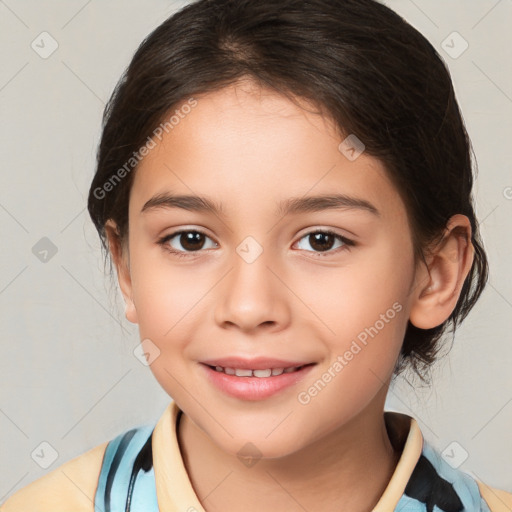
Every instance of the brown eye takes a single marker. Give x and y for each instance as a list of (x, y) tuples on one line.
[(321, 241), (324, 241), (183, 241), (191, 240)]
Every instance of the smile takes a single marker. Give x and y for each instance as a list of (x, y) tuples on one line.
[(245, 372), (255, 384)]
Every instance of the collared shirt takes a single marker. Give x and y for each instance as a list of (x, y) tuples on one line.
[(142, 470)]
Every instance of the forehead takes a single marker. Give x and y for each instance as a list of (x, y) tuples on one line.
[(251, 146)]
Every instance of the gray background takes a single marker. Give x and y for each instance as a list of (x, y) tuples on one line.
[(68, 376)]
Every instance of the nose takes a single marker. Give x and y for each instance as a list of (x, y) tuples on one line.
[(252, 296)]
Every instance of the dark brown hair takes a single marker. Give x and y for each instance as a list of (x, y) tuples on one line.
[(358, 62)]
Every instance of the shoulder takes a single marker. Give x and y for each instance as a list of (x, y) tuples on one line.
[(98, 474), (435, 482), (496, 499), (71, 486), (127, 473)]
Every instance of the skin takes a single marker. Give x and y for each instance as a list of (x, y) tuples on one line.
[(249, 148)]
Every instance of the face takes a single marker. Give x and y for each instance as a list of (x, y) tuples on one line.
[(324, 285)]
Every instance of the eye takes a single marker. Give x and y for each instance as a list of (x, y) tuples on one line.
[(322, 241), (190, 241)]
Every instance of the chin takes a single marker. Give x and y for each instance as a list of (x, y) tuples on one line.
[(251, 448)]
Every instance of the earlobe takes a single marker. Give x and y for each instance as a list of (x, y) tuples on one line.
[(441, 283), (119, 252)]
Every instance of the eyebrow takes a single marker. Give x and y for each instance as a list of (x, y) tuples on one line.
[(290, 206)]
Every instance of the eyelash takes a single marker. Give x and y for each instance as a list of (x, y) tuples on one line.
[(186, 254)]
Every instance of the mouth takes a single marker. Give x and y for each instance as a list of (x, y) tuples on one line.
[(259, 373), (251, 383)]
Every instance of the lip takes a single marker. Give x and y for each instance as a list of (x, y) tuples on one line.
[(255, 388), (257, 363)]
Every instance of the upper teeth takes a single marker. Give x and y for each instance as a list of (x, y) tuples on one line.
[(242, 372)]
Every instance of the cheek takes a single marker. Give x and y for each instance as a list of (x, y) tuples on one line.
[(371, 288), (169, 306), (366, 312), (165, 297)]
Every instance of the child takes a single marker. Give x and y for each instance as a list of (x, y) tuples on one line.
[(315, 155)]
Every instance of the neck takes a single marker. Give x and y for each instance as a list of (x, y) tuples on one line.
[(348, 469)]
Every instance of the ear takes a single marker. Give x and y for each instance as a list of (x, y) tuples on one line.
[(119, 252), (437, 287)]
